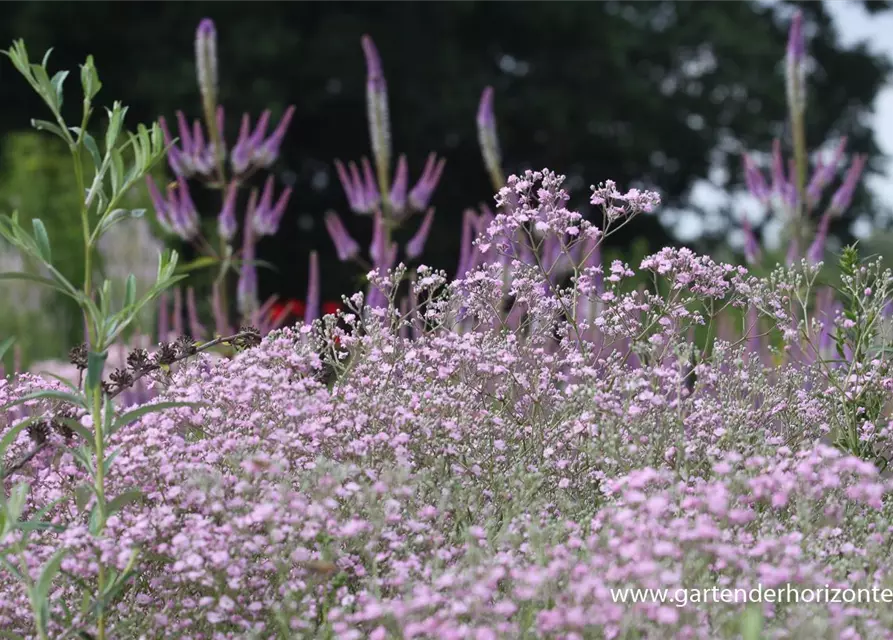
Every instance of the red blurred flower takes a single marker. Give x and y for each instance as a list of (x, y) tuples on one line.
[(294, 309)]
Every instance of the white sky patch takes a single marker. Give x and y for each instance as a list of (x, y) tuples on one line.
[(854, 25)]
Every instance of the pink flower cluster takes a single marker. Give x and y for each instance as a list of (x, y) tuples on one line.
[(488, 460)]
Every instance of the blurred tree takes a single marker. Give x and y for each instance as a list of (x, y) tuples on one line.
[(647, 92)]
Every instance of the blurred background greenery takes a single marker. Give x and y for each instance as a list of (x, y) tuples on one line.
[(653, 94)]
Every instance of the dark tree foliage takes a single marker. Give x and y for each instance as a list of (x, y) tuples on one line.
[(640, 92)]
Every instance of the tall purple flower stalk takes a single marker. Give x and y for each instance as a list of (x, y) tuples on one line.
[(199, 154), (370, 189)]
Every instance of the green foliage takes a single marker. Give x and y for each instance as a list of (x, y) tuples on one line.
[(102, 181)]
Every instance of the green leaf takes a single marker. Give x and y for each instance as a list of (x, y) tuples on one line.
[(95, 365), (92, 147), (30, 277), (117, 171), (10, 436), (90, 79), (199, 263), (116, 118), (15, 503), (49, 394), (64, 381), (57, 82), (42, 240), (44, 125), (752, 623), (129, 293), (122, 500), (5, 345), (108, 462), (139, 412), (85, 434), (82, 496), (50, 569)]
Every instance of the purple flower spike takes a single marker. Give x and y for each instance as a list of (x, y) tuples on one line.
[(345, 246), (160, 205), (795, 70), (267, 216), (751, 246), (279, 209), (221, 121), (267, 153), (377, 108), (202, 155), (817, 249), (186, 216), (246, 288), (398, 189), (487, 138), (823, 175), (796, 43), (240, 159), (756, 184), (226, 221), (206, 60), (260, 131), (311, 310), (263, 212), (196, 330), (185, 135), (174, 155), (377, 249), (469, 223), (362, 195), (779, 182), (844, 195), (421, 193), (416, 244), (793, 252)]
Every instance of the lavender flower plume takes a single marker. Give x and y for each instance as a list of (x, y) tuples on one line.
[(844, 195), (185, 216), (226, 220), (268, 151), (751, 246), (755, 181), (240, 159), (823, 175), (311, 311), (160, 205), (469, 223), (361, 191), (795, 71), (246, 288), (196, 329), (345, 246), (487, 138), (377, 110), (175, 156), (416, 244), (267, 216), (424, 188), (399, 187), (206, 63), (817, 249)]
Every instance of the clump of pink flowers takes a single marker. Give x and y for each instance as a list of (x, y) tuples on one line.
[(489, 457)]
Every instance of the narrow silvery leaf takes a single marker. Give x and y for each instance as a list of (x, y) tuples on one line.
[(130, 291), (43, 125), (57, 82), (5, 345), (42, 240), (116, 118), (95, 365)]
